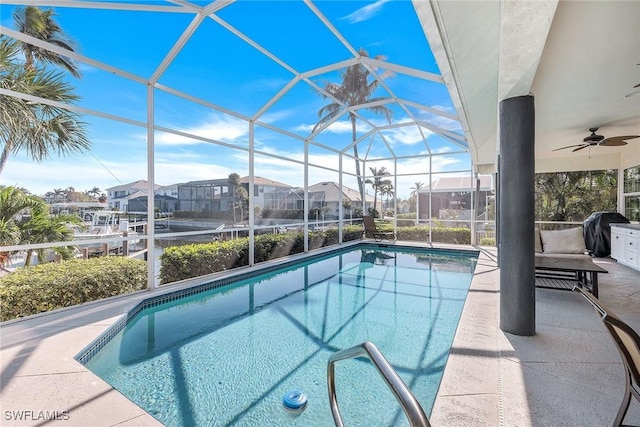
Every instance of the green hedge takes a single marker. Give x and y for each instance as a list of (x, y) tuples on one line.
[(186, 261), (488, 241), (457, 235), (55, 285)]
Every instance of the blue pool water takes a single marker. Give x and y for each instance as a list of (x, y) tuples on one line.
[(227, 356)]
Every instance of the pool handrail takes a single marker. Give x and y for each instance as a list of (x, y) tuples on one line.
[(412, 409)]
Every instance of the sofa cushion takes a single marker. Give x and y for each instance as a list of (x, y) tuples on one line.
[(570, 241), (537, 241)]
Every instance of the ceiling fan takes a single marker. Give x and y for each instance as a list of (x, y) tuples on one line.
[(594, 139)]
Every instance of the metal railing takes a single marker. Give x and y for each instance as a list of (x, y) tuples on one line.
[(405, 397)]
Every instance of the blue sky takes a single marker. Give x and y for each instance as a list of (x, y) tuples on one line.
[(218, 67)]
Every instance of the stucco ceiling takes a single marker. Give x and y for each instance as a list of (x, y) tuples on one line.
[(579, 59)]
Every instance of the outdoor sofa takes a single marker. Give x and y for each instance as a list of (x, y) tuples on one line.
[(562, 260)]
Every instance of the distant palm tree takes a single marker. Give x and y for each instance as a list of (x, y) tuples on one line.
[(95, 192), (388, 192), (36, 128), (378, 183), (233, 181), (58, 193), (355, 89), (416, 189)]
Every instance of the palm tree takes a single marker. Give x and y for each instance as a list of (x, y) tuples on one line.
[(38, 129), (57, 192), (43, 228), (377, 183), (234, 182), (38, 227), (39, 23), (416, 189), (388, 192), (355, 89), (12, 202), (95, 192)]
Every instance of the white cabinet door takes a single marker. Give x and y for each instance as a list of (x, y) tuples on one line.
[(632, 241), (617, 244)]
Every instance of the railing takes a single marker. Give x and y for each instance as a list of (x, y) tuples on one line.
[(557, 225), (405, 397)]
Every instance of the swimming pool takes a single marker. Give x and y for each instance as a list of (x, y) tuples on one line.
[(227, 355)]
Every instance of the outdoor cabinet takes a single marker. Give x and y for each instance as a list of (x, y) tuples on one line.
[(625, 242), (617, 244)]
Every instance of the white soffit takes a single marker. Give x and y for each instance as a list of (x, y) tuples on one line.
[(464, 38), (524, 29)]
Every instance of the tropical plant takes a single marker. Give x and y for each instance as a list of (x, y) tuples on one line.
[(36, 226), (39, 23), (95, 192), (43, 228), (12, 202), (378, 183), (239, 195), (35, 128), (58, 193), (355, 89), (573, 196), (415, 190), (388, 192)]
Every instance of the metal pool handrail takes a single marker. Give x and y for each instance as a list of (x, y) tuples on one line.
[(405, 397)]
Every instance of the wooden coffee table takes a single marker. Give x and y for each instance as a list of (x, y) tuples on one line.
[(583, 270)]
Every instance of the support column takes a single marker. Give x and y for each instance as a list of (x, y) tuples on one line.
[(516, 176)]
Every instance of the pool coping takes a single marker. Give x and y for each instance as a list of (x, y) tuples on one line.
[(91, 400)]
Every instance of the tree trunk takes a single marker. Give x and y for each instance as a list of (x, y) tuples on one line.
[(5, 155), (355, 154), (27, 258), (375, 199)]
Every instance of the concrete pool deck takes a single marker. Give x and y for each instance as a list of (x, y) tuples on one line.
[(569, 373)]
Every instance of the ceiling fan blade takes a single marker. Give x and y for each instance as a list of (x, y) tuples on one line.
[(581, 148), (571, 146), (616, 141)]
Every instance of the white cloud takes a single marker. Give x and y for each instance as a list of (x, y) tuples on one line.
[(217, 127), (271, 117), (337, 127), (440, 121), (365, 13)]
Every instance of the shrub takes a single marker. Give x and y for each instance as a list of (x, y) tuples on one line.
[(49, 286), (460, 236), (488, 241), (184, 262)]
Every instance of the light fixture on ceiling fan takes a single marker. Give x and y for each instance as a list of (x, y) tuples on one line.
[(594, 139)]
